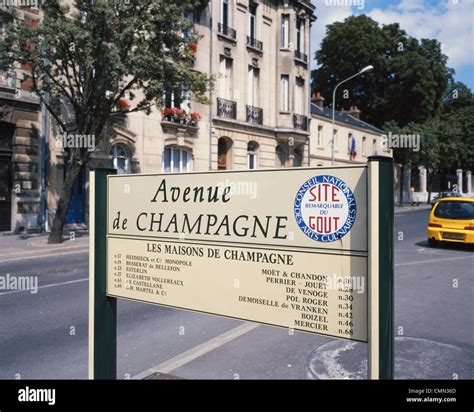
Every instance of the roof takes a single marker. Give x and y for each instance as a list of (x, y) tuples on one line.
[(342, 118), (456, 199)]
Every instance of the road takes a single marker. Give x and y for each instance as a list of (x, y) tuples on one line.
[(44, 334)]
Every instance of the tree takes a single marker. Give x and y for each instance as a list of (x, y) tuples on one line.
[(456, 138), (403, 156), (458, 96), (409, 77), (430, 154), (89, 57)]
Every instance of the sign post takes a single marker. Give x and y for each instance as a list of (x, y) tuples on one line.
[(102, 309), (381, 268), (316, 256)]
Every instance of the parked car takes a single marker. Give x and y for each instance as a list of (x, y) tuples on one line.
[(452, 220), (443, 195)]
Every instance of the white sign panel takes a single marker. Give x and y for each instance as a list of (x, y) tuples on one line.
[(285, 247)]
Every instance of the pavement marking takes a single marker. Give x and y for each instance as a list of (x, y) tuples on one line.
[(41, 256), (45, 286), (198, 351), (433, 260)]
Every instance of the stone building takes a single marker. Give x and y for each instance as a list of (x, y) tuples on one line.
[(354, 139), (259, 116), (21, 169)]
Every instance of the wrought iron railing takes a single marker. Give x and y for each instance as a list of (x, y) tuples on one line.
[(254, 43), (254, 114), (227, 31), (299, 55), (300, 122), (226, 108)]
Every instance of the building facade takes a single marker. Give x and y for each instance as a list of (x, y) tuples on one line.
[(354, 139), (21, 168), (259, 116), (258, 54)]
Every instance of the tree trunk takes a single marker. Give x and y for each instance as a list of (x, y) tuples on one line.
[(402, 182), (56, 234)]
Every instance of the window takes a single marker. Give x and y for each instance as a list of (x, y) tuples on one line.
[(374, 146), (225, 88), (186, 98), (252, 155), (225, 13), (319, 136), (334, 136), (180, 97), (364, 145), (285, 92), (224, 146), (349, 142), (252, 21), (281, 156), (298, 157), (189, 16), (300, 35), (188, 20), (121, 159), (253, 86), (299, 96), (285, 31), (456, 210), (176, 160)]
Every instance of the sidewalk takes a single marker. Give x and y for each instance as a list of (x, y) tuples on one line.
[(35, 245)]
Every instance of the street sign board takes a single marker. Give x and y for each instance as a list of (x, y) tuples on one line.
[(285, 247)]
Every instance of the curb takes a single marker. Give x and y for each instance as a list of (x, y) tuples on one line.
[(43, 253), (412, 209)]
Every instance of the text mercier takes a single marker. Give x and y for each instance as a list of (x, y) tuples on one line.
[(241, 225)]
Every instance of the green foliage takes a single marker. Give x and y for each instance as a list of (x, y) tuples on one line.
[(100, 59), (447, 141), (90, 56), (457, 97), (409, 77), (456, 138), (410, 91)]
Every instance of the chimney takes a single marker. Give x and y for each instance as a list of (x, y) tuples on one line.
[(317, 99), (354, 112)]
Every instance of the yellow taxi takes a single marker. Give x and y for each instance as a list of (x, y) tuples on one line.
[(452, 220)]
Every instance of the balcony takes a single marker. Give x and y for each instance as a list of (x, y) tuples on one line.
[(254, 44), (226, 31), (226, 108), (254, 114), (301, 57), (300, 122), (174, 117)]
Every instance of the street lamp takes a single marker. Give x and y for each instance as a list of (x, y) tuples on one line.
[(365, 69)]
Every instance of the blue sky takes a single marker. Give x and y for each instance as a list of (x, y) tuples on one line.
[(448, 21)]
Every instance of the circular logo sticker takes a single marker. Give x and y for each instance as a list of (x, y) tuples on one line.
[(325, 208)]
